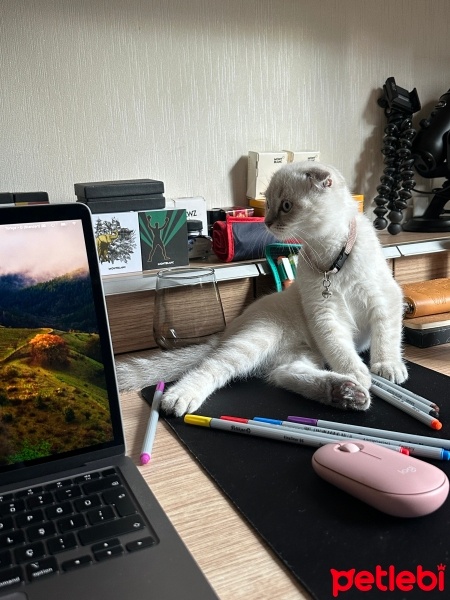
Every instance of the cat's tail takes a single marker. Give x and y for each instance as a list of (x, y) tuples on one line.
[(147, 368)]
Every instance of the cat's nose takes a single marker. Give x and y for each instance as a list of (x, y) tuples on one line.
[(268, 223)]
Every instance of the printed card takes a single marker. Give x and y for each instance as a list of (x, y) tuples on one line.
[(164, 239), (118, 242)]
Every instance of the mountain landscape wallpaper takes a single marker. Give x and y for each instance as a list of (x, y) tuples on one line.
[(53, 396)]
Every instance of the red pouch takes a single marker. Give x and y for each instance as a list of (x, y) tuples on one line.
[(241, 238)]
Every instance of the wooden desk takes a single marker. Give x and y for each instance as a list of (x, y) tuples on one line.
[(235, 560)]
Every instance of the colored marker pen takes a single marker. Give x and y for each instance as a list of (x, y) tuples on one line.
[(414, 449), (406, 408), (147, 446), (238, 425), (394, 435), (402, 392), (426, 408)]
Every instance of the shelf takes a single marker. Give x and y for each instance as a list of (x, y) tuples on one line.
[(402, 245), (414, 244), (140, 282)]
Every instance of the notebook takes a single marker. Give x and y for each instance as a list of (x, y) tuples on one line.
[(77, 520)]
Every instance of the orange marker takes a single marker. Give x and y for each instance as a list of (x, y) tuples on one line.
[(407, 408)]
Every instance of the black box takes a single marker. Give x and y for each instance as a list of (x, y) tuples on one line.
[(6, 198), (425, 338), (124, 203), (125, 187), (24, 198)]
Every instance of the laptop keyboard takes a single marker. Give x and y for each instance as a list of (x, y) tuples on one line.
[(66, 525)]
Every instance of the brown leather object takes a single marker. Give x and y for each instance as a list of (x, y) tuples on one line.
[(427, 297)]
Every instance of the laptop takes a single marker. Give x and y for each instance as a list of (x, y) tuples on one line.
[(77, 519)]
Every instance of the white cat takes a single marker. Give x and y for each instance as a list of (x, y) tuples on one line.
[(307, 338)]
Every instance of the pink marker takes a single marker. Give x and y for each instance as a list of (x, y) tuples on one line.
[(147, 446)]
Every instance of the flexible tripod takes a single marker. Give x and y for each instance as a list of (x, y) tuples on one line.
[(397, 180)]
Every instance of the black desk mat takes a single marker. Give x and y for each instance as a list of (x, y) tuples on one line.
[(311, 525)]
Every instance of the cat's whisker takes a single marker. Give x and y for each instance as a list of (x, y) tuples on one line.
[(305, 258)]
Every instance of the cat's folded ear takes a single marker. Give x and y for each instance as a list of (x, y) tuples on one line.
[(319, 177)]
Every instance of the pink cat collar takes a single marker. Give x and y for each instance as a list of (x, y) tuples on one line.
[(339, 262)]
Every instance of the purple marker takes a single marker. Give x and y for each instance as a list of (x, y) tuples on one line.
[(147, 446)]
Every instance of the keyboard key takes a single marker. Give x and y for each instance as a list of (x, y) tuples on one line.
[(29, 552), (61, 543), (108, 553), (68, 493), (61, 510), (92, 487), (12, 538), (30, 518), (6, 498), (6, 523), (76, 563), (87, 477), (41, 568), (109, 472), (39, 500), (41, 531), (58, 485), (29, 492), (110, 529), (70, 523), (14, 507), (99, 515), (87, 503), (5, 559), (10, 577), (121, 500), (140, 544)]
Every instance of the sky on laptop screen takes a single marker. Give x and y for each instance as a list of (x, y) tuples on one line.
[(53, 396)]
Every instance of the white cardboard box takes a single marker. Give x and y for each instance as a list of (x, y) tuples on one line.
[(195, 207), (262, 165)]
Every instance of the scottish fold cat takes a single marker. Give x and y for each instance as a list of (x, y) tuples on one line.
[(307, 338)]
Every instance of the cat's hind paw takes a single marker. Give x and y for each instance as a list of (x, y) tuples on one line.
[(179, 403), (348, 394), (393, 371)]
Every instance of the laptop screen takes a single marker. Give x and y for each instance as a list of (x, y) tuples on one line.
[(58, 395)]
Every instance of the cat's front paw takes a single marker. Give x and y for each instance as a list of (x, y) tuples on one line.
[(393, 371), (348, 394), (362, 376), (178, 401)]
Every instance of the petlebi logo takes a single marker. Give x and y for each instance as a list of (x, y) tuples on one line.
[(387, 579)]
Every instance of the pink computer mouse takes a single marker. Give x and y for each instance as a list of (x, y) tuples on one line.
[(394, 483)]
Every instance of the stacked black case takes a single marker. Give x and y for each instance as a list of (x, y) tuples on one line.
[(121, 195)]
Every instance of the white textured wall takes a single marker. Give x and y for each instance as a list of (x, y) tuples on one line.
[(180, 90)]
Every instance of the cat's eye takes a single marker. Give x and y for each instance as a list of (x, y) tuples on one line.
[(286, 206)]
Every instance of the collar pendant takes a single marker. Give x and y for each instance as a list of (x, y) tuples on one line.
[(326, 285)]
